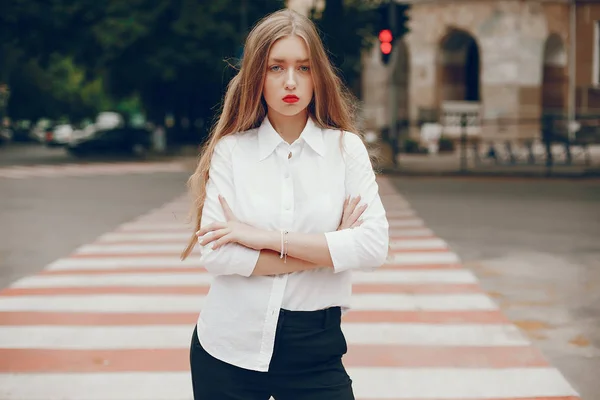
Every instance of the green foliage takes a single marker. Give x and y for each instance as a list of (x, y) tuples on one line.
[(160, 57), (169, 55), (59, 91)]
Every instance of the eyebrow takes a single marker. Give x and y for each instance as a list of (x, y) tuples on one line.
[(281, 60)]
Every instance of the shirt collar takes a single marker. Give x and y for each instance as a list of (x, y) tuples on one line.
[(269, 139)]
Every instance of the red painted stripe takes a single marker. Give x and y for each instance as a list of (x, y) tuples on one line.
[(110, 242), (397, 238), (423, 250), (422, 266), (427, 317), (91, 290), (203, 289), (129, 270), (481, 398), (189, 230), (175, 269), (86, 319), (356, 316), (81, 361), (174, 256)]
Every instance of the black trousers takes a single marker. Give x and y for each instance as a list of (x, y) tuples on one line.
[(306, 364)]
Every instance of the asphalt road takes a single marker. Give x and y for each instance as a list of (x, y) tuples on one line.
[(32, 154), (535, 246), (43, 219)]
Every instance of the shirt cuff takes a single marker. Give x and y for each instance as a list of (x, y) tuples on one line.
[(230, 259), (342, 250)]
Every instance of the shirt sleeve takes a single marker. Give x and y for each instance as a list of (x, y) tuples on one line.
[(231, 258), (366, 246)]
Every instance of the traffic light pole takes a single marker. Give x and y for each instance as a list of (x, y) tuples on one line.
[(393, 92)]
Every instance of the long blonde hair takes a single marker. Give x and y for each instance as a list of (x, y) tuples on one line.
[(244, 108)]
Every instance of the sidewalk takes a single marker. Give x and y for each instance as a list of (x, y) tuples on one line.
[(450, 164), (113, 321)]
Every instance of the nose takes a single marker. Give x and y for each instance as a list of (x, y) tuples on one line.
[(290, 81)]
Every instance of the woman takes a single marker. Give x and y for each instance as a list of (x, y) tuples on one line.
[(277, 193)]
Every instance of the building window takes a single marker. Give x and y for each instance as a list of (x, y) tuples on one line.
[(596, 62)]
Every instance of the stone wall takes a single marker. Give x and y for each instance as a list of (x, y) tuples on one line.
[(588, 90), (511, 37)]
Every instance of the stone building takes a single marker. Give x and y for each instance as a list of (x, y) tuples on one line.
[(508, 61)]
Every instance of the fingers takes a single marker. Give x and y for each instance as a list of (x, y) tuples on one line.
[(229, 216), (211, 227), (352, 212), (349, 207), (357, 224), (358, 212), (222, 241), (353, 203), (213, 236)]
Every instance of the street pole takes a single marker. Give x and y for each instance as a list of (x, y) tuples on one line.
[(393, 95), (463, 143), (572, 69)]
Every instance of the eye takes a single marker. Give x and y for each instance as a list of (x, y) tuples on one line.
[(275, 68), (304, 68)]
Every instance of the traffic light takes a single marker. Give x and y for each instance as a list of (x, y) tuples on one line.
[(386, 38), (391, 26)]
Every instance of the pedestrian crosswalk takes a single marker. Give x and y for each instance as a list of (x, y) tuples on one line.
[(113, 321), (86, 169)]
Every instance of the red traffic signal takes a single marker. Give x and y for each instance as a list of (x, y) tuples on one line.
[(385, 36), (386, 48), (385, 44)]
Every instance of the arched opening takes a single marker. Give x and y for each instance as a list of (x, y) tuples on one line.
[(554, 77), (459, 68)]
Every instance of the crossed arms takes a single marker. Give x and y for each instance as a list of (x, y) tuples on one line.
[(361, 240)]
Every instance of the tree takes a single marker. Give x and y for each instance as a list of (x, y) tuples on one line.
[(347, 40), (59, 91), (349, 27), (171, 53)]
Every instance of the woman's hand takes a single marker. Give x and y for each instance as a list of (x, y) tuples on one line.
[(352, 213), (232, 231)]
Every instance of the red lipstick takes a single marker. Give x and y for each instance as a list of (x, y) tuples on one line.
[(291, 98)]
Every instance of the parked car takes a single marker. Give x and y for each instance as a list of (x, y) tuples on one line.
[(22, 131), (6, 135), (122, 140), (40, 128), (58, 135)]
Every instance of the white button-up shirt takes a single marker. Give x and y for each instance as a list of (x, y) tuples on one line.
[(303, 193)]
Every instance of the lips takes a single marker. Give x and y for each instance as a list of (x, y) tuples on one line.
[(291, 98)]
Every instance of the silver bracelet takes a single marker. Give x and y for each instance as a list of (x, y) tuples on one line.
[(285, 242)]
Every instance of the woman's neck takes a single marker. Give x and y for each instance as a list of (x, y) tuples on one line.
[(288, 127)]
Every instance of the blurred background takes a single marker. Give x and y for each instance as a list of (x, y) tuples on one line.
[(455, 86), (483, 114)]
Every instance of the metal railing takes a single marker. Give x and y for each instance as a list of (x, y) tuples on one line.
[(549, 141)]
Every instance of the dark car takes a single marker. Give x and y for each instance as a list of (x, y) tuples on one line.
[(6, 135), (125, 140)]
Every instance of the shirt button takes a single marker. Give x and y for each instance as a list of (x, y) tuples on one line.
[(286, 175), (287, 206)]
